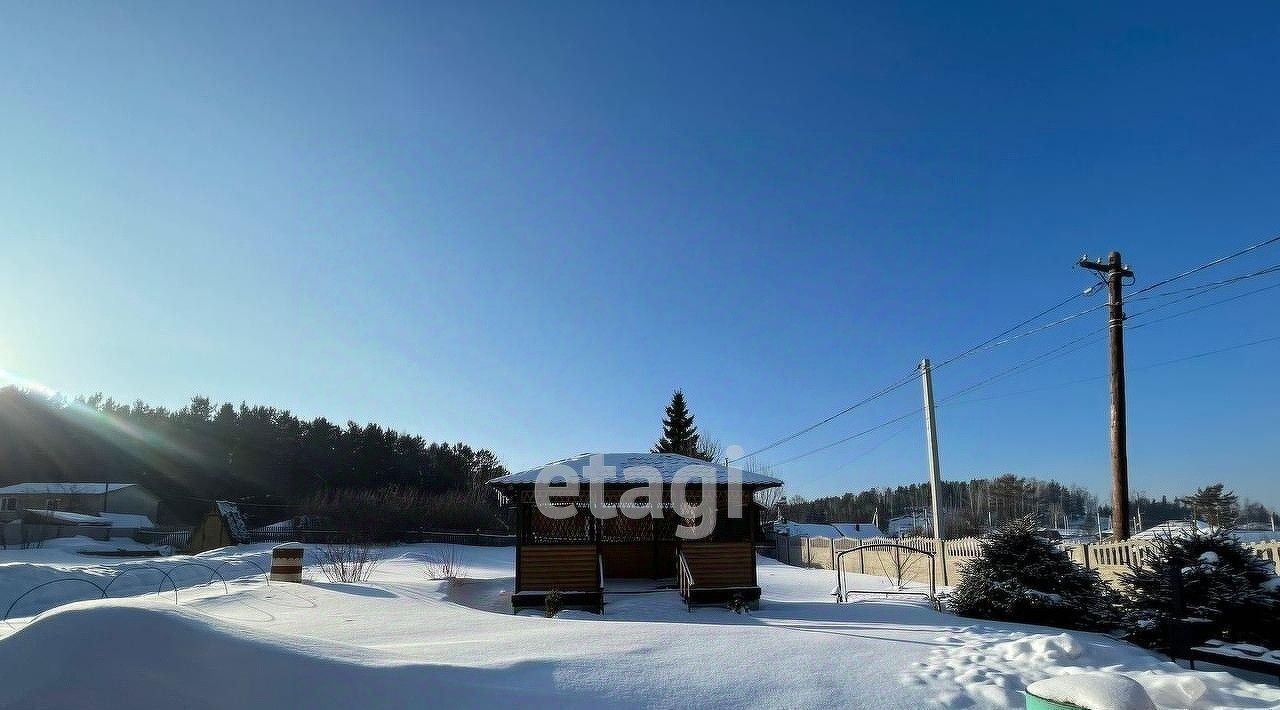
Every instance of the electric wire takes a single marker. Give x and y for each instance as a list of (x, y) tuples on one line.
[(1208, 265), (1008, 336), (867, 400)]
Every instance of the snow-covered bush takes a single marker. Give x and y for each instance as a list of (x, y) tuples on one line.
[(1221, 581), (1019, 575)]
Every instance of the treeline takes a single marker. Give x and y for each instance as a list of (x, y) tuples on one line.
[(968, 506), (266, 458), (971, 506)]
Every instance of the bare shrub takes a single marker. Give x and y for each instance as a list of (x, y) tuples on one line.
[(347, 562), (904, 565), (447, 564)]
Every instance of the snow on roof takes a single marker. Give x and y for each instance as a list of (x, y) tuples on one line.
[(73, 489), (1172, 528), (856, 531), (118, 520), (234, 520), (63, 516), (629, 469), (281, 526), (128, 520)]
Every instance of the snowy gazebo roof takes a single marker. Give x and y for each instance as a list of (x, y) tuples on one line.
[(633, 468)]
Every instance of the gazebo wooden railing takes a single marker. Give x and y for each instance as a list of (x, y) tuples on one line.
[(716, 572)]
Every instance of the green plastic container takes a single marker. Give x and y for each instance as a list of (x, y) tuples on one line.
[(1035, 702)]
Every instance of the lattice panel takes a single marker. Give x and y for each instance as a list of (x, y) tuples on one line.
[(576, 529)]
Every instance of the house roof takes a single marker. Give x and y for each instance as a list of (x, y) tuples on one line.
[(856, 531), (62, 516), (1173, 528), (69, 488), (630, 469), (233, 519), (117, 520), (128, 520)]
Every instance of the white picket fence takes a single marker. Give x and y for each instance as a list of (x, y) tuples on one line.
[(1109, 558)]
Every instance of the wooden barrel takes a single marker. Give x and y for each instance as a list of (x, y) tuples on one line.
[(286, 562)]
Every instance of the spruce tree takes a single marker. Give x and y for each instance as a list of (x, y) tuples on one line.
[(1019, 575), (1220, 580), (679, 434)]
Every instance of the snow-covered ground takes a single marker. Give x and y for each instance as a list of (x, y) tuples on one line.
[(404, 640)]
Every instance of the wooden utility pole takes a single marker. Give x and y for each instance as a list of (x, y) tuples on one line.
[(1114, 273), (935, 469)]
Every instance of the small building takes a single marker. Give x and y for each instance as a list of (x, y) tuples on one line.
[(1174, 528), (852, 531), (223, 525), (77, 497), (916, 521), (580, 544)]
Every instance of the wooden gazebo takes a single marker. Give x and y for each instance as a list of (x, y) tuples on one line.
[(575, 552)]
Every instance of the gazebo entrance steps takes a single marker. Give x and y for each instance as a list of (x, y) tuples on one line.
[(590, 601), (717, 573)]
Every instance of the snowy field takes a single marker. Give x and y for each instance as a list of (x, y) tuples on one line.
[(403, 640)]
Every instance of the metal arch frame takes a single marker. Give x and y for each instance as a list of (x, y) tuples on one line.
[(265, 577), (212, 573), (102, 590), (102, 594), (842, 594), (143, 568)]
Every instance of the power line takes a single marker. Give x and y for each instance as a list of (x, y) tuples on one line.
[(1049, 354), (1211, 286), (914, 372), (1033, 331), (851, 437), (1140, 368), (983, 345), (873, 447), (1207, 353), (1208, 265), (1046, 357), (1000, 339), (1197, 308), (790, 437)]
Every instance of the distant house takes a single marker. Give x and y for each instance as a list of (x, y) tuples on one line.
[(1173, 528), (854, 531), (223, 525), (77, 497), (916, 520)]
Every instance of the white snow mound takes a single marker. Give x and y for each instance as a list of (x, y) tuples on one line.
[(1094, 691)]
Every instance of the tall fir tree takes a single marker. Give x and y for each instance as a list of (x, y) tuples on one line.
[(679, 434)]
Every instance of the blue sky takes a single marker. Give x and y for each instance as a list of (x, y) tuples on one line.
[(523, 224)]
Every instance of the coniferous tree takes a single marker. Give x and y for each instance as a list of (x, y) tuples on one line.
[(1220, 580), (1019, 575), (1213, 505), (679, 434)]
